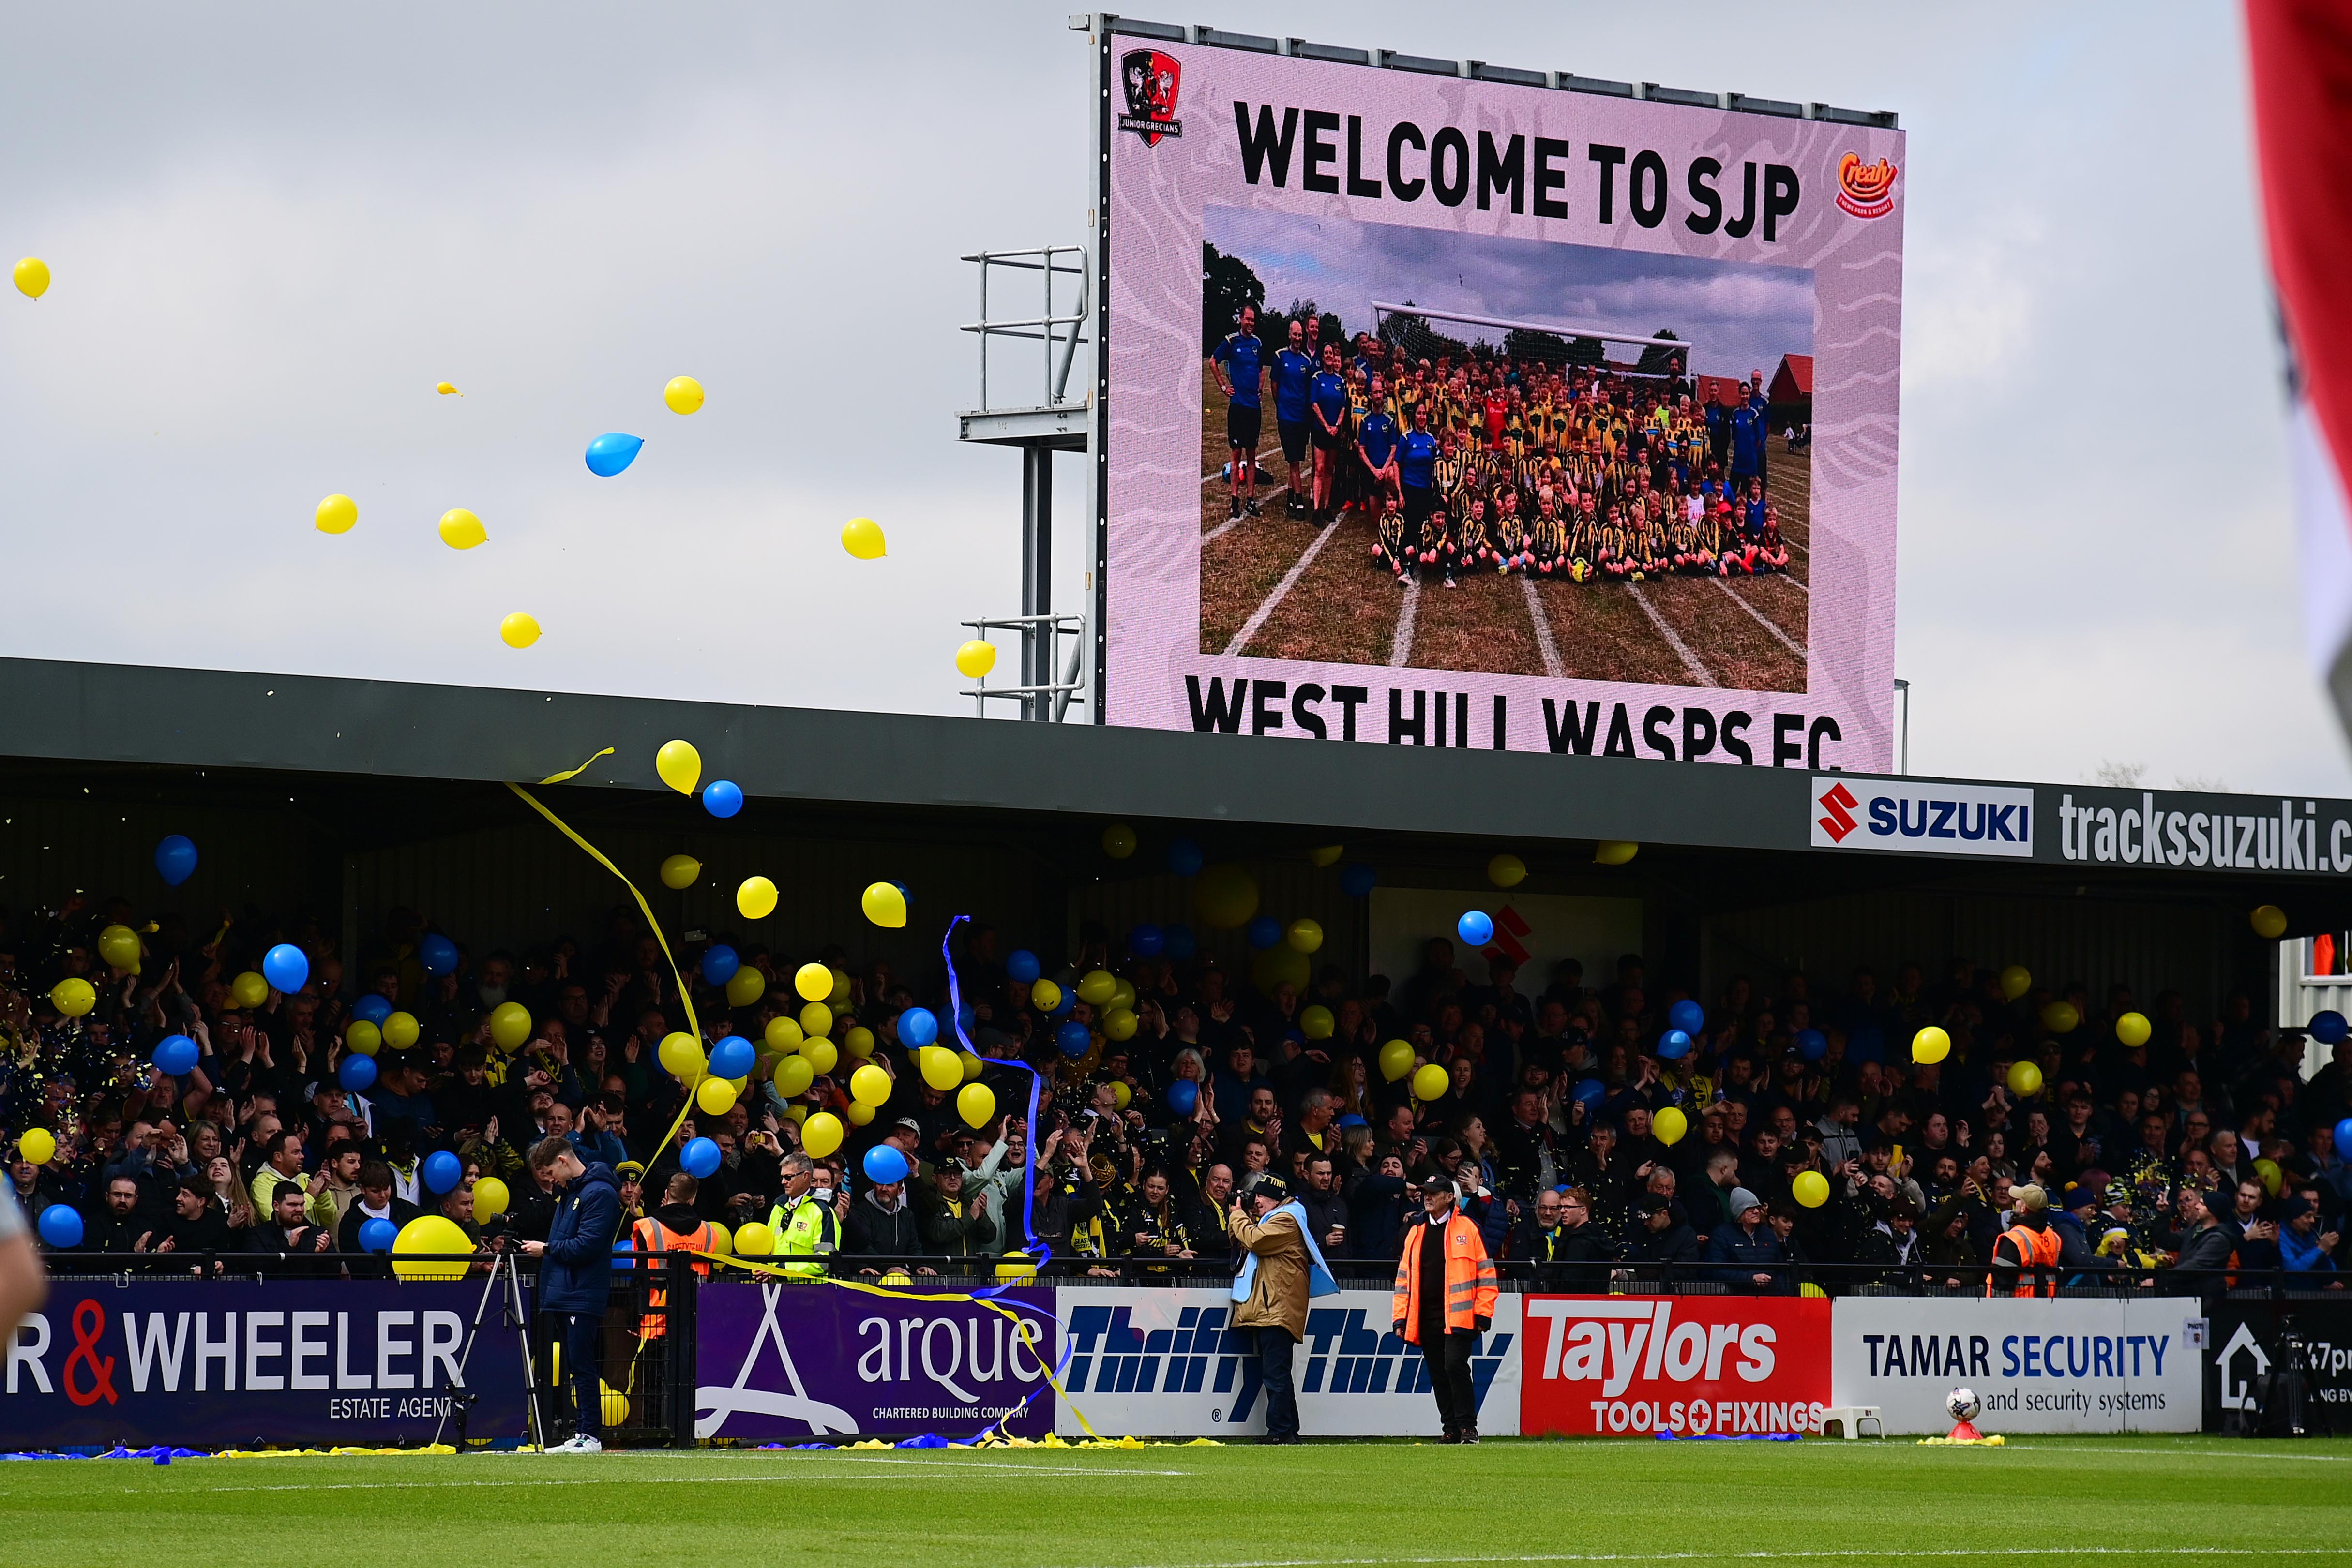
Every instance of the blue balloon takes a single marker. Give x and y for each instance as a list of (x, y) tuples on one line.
[(175, 859), (1073, 1038), (1812, 1044), (61, 1225), (700, 1158), (1476, 928), (1183, 1097), (733, 1057), (436, 952), (1146, 940), (884, 1163), (1069, 1000), (723, 797), (1184, 857), (176, 1056), (378, 1235), (2344, 1138), (1686, 1016), (917, 1026), (1021, 966), (2329, 1028), (1181, 943), (443, 1170), (611, 452), (285, 966), (1673, 1045), (372, 1008), (1264, 932), (357, 1073), (1592, 1091), (718, 966), (967, 1018), (1356, 880)]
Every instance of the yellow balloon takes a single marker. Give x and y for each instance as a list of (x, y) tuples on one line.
[(754, 1239), (798, 1113), (884, 905), (1118, 840), (1016, 1266), (32, 276), (490, 1199), (1279, 963), (518, 631), (975, 1103), (1315, 1022), (1326, 854), (869, 1085), (1120, 1094), (1045, 995), (336, 515), (862, 537), (1430, 1083), (248, 989), (681, 1056), (941, 1069), (430, 1233), (678, 872), (1097, 986), (679, 765), (813, 982), (509, 1025), (683, 394), (612, 1405), (1396, 1060), (1119, 1024), (840, 992), (1224, 897), (756, 898), (716, 1096), (1669, 1125), (2269, 922), (973, 1065), (1507, 870), (816, 1021), (793, 1076), (975, 659), (363, 1036), (745, 986), (1929, 1045), (723, 1241), (897, 1277), (2273, 1177), (445, 390), (2024, 1080), (119, 946), (1614, 851), (460, 529), (2133, 1029), (859, 1115), (1305, 935), (2061, 1018), (1811, 1188), (1123, 994), (2015, 981), (400, 1030), (821, 1055), (73, 996), (858, 1042), (38, 1145), (783, 1035)]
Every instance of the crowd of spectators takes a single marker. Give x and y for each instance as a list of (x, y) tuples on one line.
[(2203, 1149)]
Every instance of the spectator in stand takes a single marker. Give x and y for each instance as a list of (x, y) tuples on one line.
[(376, 1200), (288, 1229), (1745, 1255), (2306, 1247)]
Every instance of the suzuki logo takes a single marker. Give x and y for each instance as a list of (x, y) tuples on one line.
[(1838, 802)]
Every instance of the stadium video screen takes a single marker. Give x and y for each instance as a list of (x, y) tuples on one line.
[(1449, 413)]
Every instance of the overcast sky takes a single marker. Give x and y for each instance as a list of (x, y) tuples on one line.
[(274, 228), (1737, 316)]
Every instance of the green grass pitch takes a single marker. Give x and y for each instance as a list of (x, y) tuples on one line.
[(2120, 1500)]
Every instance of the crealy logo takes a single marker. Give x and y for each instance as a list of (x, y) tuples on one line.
[(1865, 190), (1838, 802), (1151, 80)]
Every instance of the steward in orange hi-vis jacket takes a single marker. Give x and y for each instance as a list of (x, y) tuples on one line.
[(1445, 1300)]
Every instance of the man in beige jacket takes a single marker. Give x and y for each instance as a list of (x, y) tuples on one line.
[(1270, 1293)]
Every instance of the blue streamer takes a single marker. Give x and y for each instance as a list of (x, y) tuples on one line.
[(1041, 1250)]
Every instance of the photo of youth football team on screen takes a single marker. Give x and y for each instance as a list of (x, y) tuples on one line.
[(1447, 448)]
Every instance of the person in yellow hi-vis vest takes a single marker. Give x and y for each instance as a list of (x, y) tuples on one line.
[(806, 1217), (674, 1227)]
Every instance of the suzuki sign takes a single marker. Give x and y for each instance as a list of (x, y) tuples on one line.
[(1850, 812)]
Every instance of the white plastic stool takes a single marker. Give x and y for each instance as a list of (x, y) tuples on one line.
[(1848, 1420)]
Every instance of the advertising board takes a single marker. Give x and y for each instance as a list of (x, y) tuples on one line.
[(1693, 1365), (2272, 1362), (226, 1363), (1165, 1363), (2063, 1365), (1525, 418)]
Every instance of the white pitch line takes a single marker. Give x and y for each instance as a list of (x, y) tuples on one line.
[(1674, 640), (1281, 589), (1544, 644), (1408, 616), (1758, 617), (1878, 1554)]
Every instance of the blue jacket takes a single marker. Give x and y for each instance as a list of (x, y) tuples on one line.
[(596, 1146), (2302, 1253), (1739, 1254), (576, 1273)]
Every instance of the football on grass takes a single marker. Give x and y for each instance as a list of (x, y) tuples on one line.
[(1963, 1404)]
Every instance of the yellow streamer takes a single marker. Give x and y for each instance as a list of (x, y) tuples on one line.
[(574, 773)]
